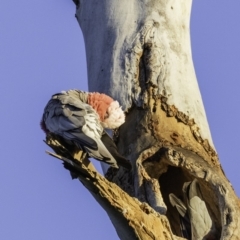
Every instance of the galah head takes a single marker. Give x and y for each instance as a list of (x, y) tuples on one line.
[(110, 112)]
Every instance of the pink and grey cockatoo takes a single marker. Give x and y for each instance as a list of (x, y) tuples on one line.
[(80, 117), (195, 220)]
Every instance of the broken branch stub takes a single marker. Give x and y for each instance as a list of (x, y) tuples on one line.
[(123, 210)]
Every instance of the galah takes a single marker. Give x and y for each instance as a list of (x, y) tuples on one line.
[(195, 221), (80, 117)]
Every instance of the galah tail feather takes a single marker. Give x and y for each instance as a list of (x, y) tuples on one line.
[(80, 117)]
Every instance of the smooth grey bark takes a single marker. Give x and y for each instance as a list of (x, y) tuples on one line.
[(116, 33)]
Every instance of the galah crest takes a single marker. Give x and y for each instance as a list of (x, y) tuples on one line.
[(80, 117)]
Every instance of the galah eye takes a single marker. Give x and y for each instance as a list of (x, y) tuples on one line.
[(106, 115)]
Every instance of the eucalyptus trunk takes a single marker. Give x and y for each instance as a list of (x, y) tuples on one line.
[(139, 52)]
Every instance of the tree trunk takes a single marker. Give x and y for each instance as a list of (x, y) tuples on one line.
[(139, 52)]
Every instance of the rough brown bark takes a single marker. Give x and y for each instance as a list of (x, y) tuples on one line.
[(174, 154)]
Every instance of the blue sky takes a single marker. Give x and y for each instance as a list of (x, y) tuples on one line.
[(42, 52)]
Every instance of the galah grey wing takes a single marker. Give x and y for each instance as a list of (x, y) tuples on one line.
[(78, 122), (185, 225), (195, 221), (200, 219)]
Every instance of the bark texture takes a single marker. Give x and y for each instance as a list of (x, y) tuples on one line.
[(134, 219), (139, 53)]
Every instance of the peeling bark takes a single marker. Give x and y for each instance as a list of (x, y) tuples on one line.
[(135, 219), (139, 53)]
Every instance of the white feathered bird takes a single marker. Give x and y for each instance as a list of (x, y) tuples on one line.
[(80, 117)]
